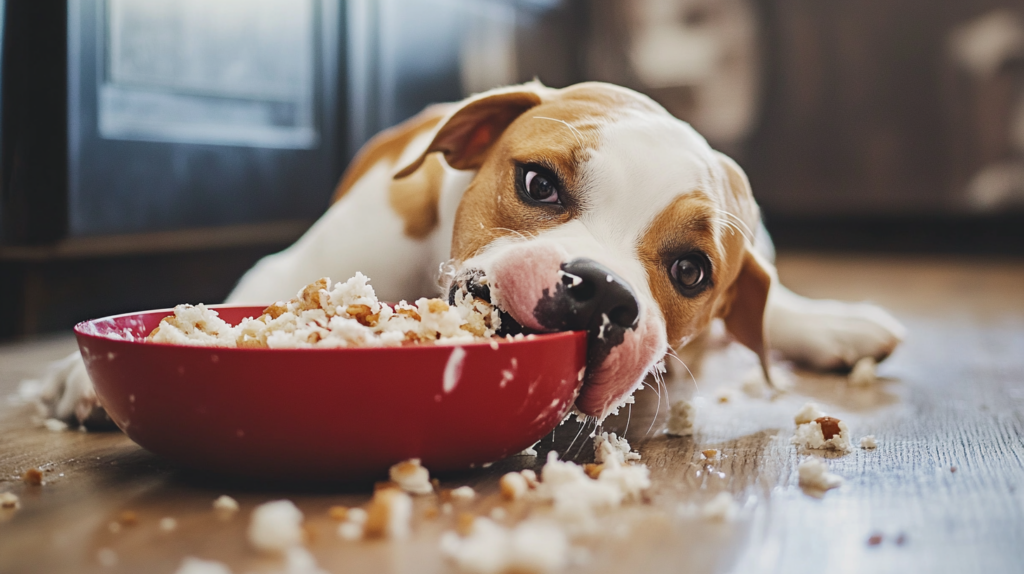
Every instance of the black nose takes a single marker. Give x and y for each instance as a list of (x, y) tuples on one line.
[(591, 292)]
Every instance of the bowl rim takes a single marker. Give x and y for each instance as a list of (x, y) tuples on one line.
[(80, 331)]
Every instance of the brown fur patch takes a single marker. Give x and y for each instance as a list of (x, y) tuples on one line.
[(414, 198), (558, 134), (687, 224)]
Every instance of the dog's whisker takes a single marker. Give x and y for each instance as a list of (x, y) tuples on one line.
[(584, 443), (749, 234), (578, 433), (576, 133), (731, 226), (671, 353), (519, 233), (657, 410)]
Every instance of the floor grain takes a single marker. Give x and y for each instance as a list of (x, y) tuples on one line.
[(953, 397)]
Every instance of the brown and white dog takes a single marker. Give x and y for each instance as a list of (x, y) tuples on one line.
[(588, 207)]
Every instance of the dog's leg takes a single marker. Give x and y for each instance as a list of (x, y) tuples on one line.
[(825, 334), (66, 393)]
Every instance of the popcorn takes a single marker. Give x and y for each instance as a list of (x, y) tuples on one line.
[(463, 493), (815, 475), (411, 477), (191, 565), (808, 413), (513, 486), (225, 506), (9, 501), (681, 417), (276, 526), (608, 446), (823, 433), (533, 546), (345, 315), (576, 497), (389, 514), (868, 442)]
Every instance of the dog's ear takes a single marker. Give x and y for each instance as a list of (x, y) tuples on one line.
[(468, 133), (744, 317), (749, 297)]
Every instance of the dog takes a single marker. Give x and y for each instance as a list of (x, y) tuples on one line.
[(583, 208)]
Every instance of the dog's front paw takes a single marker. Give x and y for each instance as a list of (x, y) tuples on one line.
[(831, 335), (66, 393)]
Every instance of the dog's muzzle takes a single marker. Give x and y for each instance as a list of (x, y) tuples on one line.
[(590, 297)]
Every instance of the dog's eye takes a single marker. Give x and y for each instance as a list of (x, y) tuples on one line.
[(540, 186), (691, 273)]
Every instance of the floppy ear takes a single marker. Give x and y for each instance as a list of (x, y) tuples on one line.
[(745, 316), (467, 135)]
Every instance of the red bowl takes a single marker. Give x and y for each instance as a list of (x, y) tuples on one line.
[(327, 414)]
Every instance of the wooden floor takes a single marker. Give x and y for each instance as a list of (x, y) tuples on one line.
[(953, 397)]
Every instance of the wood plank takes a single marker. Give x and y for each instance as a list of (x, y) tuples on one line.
[(953, 396)]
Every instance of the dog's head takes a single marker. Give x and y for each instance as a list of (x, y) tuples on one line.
[(594, 209)]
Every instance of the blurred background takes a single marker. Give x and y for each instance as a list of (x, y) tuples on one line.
[(152, 150)]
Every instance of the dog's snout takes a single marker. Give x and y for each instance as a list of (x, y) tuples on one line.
[(593, 292)]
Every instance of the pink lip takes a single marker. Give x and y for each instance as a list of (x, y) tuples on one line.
[(521, 278), (622, 371)]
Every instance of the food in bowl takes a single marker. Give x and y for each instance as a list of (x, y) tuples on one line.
[(346, 314)]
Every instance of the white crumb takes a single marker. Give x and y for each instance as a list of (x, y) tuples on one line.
[(275, 526), (345, 314), (868, 442), (576, 497), (532, 546), (863, 373), (811, 436), (630, 479), (808, 413), (298, 560), (753, 384), (225, 504), (463, 493), (168, 524), (513, 486), (726, 396), (356, 515), (411, 477), (681, 417), (350, 531), (389, 515), (721, 508), (9, 501), (608, 446), (55, 425), (814, 474), (811, 433), (106, 557), (192, 565)]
